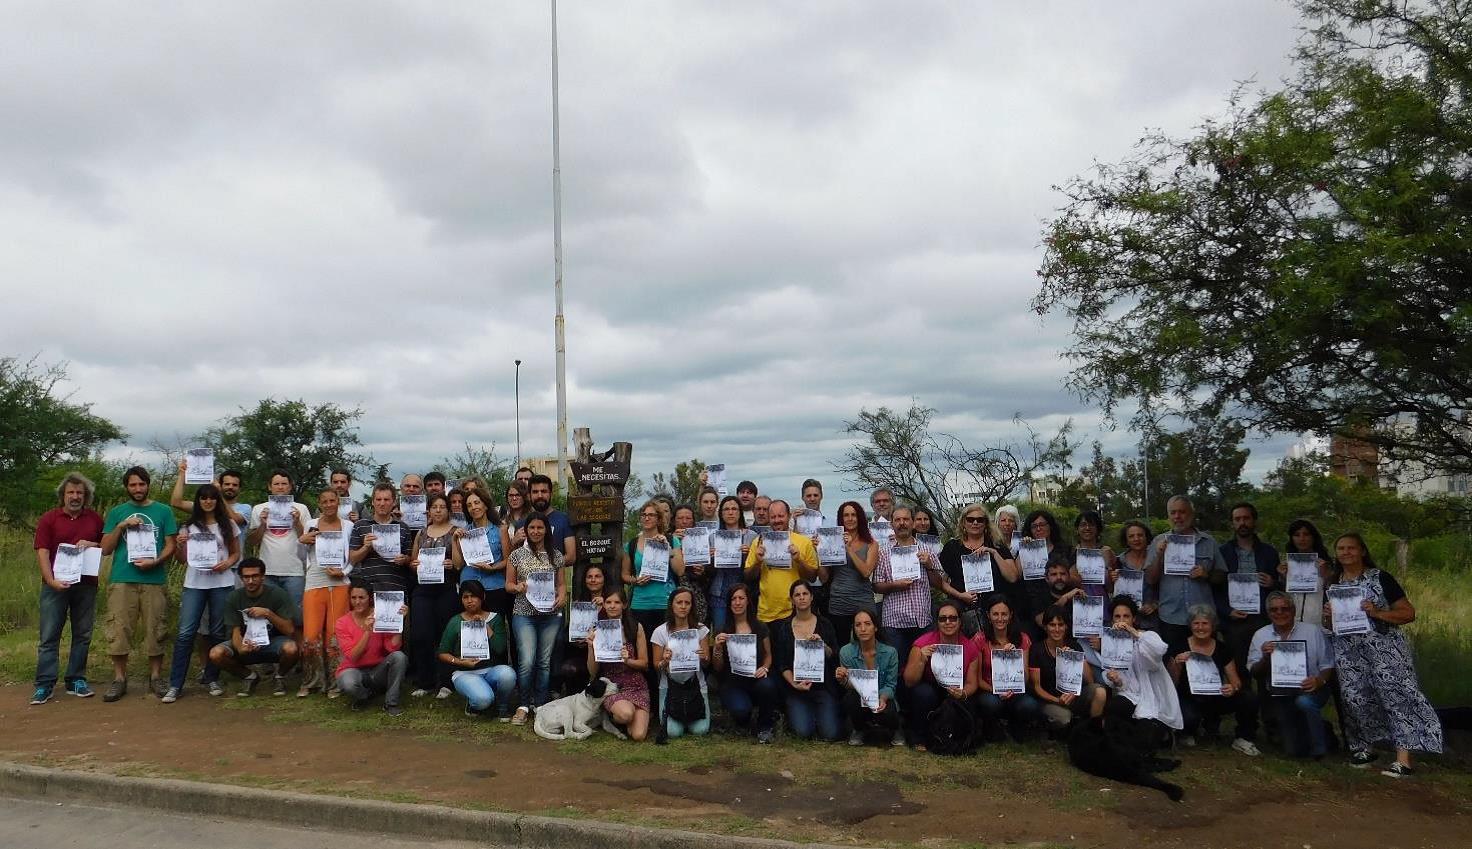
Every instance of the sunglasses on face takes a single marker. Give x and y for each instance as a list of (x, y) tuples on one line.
[(976, 518), (948, 619)]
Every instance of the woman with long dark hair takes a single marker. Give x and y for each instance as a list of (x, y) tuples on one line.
[(1021, 712), (731, 519), (629, 707), (480, 512), (1304, 538), (850, 587), (742, 695), (206, 586), (677, 709), (812, 707), (534, 631)]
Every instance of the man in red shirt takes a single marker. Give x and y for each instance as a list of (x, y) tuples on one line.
[(73, 523)]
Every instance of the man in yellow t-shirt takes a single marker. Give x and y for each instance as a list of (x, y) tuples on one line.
[(775, 581)]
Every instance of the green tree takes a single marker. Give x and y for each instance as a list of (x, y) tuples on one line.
[(39, 429), (481, 462), (683, 486), (937, 470), (1305, 261), (1204, 462), (307, 441)]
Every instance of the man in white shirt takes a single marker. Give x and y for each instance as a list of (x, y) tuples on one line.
[(278, 547)]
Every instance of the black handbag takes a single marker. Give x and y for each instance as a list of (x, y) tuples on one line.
[(683, 701)]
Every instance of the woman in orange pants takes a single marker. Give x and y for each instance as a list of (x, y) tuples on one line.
[(326, 597)]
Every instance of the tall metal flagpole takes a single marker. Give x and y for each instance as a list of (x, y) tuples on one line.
[(557, 266)]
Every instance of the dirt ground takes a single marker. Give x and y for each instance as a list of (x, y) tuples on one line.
[(883, 801)]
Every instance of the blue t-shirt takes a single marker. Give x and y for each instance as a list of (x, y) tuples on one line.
[(559, 527)]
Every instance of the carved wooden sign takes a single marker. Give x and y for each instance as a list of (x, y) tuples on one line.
[(606, 473), (587, 509), (592, 548)]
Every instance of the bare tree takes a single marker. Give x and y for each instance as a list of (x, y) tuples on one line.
[(937, 470)]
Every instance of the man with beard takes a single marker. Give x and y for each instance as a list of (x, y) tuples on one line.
[(559, 529), (340, 481), (1247, 553), (746, 495), (229, 483), (434, 483), (135, 590), (1056, 590), (73, 523)]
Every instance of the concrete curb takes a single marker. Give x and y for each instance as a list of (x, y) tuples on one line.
[(361, 815)]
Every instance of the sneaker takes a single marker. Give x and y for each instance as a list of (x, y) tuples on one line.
[(1246, 747), (504, 717), (1360, 760), (216, 688), (855, 739), (80, 689), (158, 686), (393, 710), (303, 691), (765, 736), (1186, 741), (419, 693), (471, 712), (248, 685), (278, 686), (444, 693), (41, 696), (116, 690), (519, 718), (1397, 770), (333, 692), (898, 741), (170, 696)]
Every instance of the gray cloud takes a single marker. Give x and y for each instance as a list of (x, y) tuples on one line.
[(775, 215)]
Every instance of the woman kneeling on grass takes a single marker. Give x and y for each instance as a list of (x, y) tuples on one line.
[(865, 651), (482, 681), (743, 695), (629, 707), (682, 695)]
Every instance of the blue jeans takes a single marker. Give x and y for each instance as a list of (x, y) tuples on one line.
[(192, 604), (675, 728), (1023, 712), (295, 586), (79, 603), (535, 636), (1301, 722), (742, 695), (485, 687), (814, 711)]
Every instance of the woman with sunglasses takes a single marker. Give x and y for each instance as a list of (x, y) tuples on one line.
[(925, 693), (205, 587), (977, 536)]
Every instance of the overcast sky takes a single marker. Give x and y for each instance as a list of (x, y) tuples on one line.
[(774, 214)]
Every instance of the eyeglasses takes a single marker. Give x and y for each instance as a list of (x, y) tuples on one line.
[(948, 619), (976, 518)]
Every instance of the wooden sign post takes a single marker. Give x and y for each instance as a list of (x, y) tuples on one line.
[(595, 507)]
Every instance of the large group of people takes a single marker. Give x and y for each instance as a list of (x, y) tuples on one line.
[(858, 624)]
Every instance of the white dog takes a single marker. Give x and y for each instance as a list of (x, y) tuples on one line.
[(574, 716)]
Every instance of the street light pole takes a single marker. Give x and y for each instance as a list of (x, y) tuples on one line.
[(557, 266), (518, 414)]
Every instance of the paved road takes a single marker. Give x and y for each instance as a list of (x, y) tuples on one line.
[(32, 824)]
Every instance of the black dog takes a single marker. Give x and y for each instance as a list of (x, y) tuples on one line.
[(1102, 749)]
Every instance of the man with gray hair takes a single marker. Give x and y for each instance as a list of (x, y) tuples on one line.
[(1179, 593), (74, 524)]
